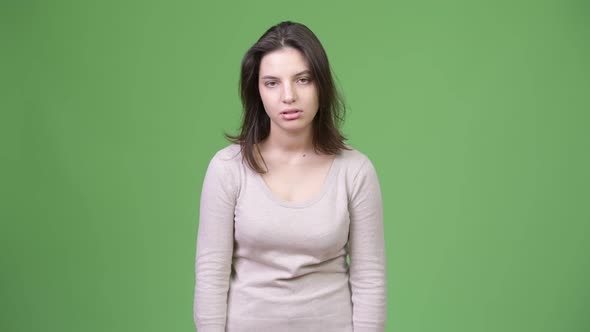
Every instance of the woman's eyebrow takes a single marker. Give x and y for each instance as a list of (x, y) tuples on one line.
[(307, 71)]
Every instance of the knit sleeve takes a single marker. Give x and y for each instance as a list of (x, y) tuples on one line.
[(214, 246), (367, 252)]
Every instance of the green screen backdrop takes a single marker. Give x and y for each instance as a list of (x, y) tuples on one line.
[(474, 113)]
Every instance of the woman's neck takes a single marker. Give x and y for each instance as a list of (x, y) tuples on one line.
[(287, 145)]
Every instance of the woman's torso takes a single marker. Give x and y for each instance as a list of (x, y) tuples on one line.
[(289, 267)]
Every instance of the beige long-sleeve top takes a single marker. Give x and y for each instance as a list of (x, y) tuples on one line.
[(266, 264)]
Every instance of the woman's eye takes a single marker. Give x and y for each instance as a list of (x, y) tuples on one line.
[(270, 84), (304, 80)]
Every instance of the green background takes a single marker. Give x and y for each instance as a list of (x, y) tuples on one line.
[(475, 114)]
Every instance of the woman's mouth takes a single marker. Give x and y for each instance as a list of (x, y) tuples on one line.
[(291, 114)]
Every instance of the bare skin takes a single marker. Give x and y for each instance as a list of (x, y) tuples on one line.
[(295, 178), (295, 172)]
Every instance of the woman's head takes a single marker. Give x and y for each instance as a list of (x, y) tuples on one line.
[(288, 91), (288, 68)]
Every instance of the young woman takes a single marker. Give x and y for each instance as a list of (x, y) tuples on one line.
[(286, 202)]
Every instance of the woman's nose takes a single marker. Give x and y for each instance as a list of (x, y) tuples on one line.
[(288, 94)]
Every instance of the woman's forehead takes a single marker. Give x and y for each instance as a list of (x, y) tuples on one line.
[(285, 61)]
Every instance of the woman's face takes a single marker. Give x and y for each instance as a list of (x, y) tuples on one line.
[(285, 83)]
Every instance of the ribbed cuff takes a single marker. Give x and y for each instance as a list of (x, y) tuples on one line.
[(368, 329), (211, 328)]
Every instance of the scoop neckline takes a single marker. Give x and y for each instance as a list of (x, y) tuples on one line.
[(328, 180)]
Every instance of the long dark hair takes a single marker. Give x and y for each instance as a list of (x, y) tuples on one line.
[(327, 137)]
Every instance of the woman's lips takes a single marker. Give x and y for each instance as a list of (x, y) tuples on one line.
[(291, 115), (291, 110)]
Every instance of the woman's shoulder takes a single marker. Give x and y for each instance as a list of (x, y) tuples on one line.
[(354, 159), (226, 159), (359, 168), (229, 152)]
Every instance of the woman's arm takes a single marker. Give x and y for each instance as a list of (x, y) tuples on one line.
[(214, 246), (367, 252)]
